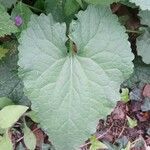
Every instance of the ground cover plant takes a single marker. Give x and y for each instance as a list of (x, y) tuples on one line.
[(75, 74)]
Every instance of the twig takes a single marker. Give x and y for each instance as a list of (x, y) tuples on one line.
[(122, 129), (19, 139), (34, 8), (35, 129), (133, 31)]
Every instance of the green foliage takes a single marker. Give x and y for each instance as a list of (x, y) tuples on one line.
[(125, 95), (10, 114), (2, 131), (11, 85), (143, 45), (6, 25), (96, 144), (144, 16), (5, 142), (29, 138), (33, 116), (24, 12), (71, 6), (3, 52), (7, 3), (144, 4), (80, 2), (39, 4), (72, 87), (56, 8), (141, 74), (62, 10), (101, 2), (131, 122), (72, 74), (4, 101)]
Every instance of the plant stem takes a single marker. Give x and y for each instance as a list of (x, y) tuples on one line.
[(34, 8), (71, 47), (133, 31)]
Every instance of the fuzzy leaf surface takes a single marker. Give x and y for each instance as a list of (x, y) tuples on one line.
[(141, 74), (145, 15), (7, 3), (143, 46), (71, 92), (128, 3), (143, 41), (6, 25), (144, 4), (11, 85)]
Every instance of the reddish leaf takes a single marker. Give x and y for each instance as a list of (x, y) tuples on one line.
[(146, 91)]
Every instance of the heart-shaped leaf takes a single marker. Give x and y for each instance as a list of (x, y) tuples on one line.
[(71, 91)]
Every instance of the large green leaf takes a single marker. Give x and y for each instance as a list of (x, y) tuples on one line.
[(101, 2), (6, 25), (10, 114), (7, 3), (144, 4), (143, 41), (11, 85), (71, 92)]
